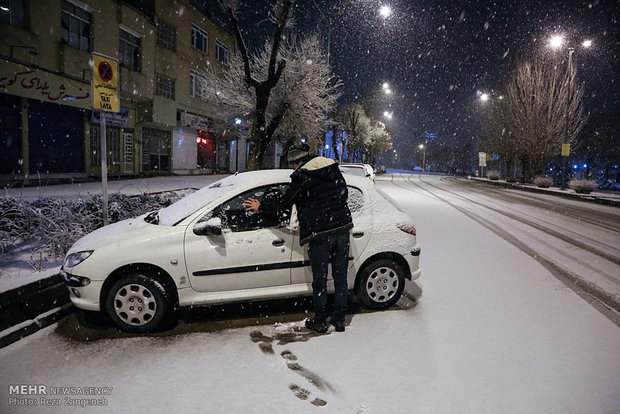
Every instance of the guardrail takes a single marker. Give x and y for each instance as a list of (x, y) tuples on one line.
[(31, 307)]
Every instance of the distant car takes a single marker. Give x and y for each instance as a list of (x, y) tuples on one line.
[(360, 169), (381, 169), (207, 249)]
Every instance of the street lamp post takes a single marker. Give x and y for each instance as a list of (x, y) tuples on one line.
[(556, 42), (423, 148)]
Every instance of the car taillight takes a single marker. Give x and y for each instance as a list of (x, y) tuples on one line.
[(407, 228)]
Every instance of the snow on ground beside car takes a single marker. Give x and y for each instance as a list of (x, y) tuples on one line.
[(494, 332), (25, 265), (129, 187)]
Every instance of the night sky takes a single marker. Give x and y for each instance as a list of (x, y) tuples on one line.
[(437, 55)]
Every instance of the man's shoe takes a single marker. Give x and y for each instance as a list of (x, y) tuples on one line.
[(338, 324), (317, 324)]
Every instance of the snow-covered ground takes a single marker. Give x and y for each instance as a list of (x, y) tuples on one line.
[(129, 187), (494, 332)]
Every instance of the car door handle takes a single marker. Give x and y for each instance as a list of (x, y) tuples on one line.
[(358, 234), (278, 242)]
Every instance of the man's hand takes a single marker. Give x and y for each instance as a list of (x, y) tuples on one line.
[(251, 204)]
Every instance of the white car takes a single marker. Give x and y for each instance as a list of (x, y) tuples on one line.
[(363, 170), (206, 249)]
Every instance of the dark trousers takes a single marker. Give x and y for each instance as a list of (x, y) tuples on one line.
[(331, 248)]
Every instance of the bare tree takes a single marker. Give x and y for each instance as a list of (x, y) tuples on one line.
[(542, 98), (363, 138), (497, 138), (285, 87)]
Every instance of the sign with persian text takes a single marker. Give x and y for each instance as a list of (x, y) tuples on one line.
[(31, 82), (105, 84)]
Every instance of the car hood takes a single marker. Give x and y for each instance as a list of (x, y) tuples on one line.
[(116, 232)]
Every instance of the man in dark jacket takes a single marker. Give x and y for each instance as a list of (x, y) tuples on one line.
[(319, 192)]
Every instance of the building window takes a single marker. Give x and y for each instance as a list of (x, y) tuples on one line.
[(12, 12), (166, 35), (155, 150), (200, 39), (75, 25), (164, 87), (221, 53), (197, 85), (113, 147), (129, 50)]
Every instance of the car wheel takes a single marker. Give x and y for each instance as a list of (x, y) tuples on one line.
[(138, 303), (381, 284)]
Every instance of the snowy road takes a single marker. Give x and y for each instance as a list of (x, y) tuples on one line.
[(501, 327)]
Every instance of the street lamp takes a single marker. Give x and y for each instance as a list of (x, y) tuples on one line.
[(484, 97), (385, 11), (388, 115), (556, 42), (423, 148)]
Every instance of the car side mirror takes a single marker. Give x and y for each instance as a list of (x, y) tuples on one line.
[(213, 226)]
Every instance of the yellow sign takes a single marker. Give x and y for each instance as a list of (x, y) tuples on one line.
[(565, 150), (105, 84)]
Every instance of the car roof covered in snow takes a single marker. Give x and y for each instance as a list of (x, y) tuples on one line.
[(234, 183)]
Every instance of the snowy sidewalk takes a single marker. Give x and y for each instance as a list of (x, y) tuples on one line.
[(602, 197), (152, 185)]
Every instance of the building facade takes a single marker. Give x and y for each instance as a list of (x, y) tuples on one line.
[(165, 125)]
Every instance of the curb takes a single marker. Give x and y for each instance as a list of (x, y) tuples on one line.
[(33, 325), (35, 306), (587, 198)]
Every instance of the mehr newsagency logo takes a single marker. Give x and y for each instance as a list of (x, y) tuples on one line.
[(47, 396)]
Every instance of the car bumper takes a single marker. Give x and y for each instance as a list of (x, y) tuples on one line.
[(84, 297), (413, 259)]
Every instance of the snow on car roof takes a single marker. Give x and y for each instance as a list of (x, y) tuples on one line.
[(239, 182)]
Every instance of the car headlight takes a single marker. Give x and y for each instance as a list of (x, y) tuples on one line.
[(75, 259)]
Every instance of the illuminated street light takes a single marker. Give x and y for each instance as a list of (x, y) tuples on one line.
[(556, 41), (387, 91), (484, 97), (387, 114), (423, 148), (385, 85), (385, 11)]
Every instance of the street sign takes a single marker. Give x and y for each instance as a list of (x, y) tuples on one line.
[(565, 150), (482, 159), (105, 84)]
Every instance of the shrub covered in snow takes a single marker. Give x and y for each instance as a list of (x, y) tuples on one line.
[(543, 182), (493, 175), (583, 186), (57, 224)]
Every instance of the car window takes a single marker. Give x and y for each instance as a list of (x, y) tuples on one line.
[(360, 171), (235, 217), (355, 201)]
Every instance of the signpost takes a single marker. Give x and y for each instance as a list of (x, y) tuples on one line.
[(106, 98), (482, 162)]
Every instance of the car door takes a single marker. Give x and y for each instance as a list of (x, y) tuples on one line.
[(360, 235), (252, 251)]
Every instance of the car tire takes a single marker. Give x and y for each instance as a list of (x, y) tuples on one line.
[(381, 284), (138, 304)]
